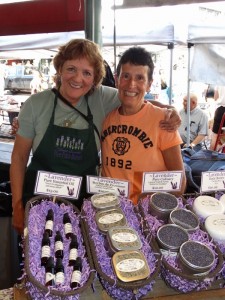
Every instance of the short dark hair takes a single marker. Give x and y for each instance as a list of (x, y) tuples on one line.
[(137, 56)]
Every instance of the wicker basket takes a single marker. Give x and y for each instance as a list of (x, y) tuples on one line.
[(173, 276), (32, 284), (116, 288)]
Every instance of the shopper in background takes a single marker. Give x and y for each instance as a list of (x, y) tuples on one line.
[(61, 126), (198, 124), (132, 141), (219, 97)]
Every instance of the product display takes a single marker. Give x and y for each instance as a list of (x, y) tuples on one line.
[(105, 200), (185, 219), (130, 265), (107, 219), (115, 287), (195, 258), (215, 226), (171, 237), (176, 277), (123, 238), (54, 278), (161, 204), (205, 206)]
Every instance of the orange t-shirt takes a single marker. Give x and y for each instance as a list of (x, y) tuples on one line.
[(133, 144)]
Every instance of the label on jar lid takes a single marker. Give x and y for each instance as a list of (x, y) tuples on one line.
[(124, 237), (130, 265), (110, 218), (105, 200), (106, 219)]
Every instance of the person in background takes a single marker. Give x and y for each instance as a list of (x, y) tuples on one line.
[(132, 142), (219, 97), (61, 125), (198, 123)]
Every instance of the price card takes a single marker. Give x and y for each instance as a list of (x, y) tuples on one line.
[(57, 184), (97, 185), (212, 181), (162, 181)]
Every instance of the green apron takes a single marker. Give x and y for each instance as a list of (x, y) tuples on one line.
[(64, 150)]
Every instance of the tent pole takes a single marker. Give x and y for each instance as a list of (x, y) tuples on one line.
[(188, 94), (171, 46)]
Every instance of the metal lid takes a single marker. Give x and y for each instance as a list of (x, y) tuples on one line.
[(105, 200), (130, 265), (123, 238), (163, 202), (106, 219), (185, 219), (197, 256), (171, 237)]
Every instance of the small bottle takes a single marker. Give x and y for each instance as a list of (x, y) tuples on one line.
[(73, 250), (58, 245), (76, 275), (59, 272), (45, 249), (49, 222), (50, 272), (67, 226)]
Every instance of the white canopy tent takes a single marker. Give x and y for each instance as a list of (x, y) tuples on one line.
[(208, 57)]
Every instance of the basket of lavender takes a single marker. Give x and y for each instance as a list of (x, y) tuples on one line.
[(125, 274), (180, 269), (58, 262)]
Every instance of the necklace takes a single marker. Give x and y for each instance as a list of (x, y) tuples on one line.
[(67, 123)]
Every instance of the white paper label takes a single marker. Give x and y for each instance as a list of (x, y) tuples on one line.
[(45, 251), (110, 218), (98, 185), (58, 246), (59, 278), (130, 265), (213, 181), (162, 181), (124, 237), (73, 254), (76, 276), (57, 184)]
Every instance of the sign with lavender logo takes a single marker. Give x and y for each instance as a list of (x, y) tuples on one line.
[(162, 181), (212, 181), (96, 185), (55, 184)]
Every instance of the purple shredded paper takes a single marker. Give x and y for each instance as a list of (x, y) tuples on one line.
[(180, 283), (104, 257), (36, 225)]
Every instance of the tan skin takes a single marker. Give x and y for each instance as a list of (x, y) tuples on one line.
[(132, 85)]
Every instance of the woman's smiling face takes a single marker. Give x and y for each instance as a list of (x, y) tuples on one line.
[(77, 78), (133, 83)]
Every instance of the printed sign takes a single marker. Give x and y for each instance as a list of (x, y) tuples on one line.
[(162, 181), (57, 184), (97, 185), (212, 181)]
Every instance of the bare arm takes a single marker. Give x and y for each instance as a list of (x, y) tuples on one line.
[(172, 119), (174, 162), (19, 159)]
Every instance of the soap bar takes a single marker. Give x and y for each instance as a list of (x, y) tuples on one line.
[(205, 206), (215, 226)]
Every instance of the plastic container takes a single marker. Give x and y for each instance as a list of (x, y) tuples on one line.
[(195, 258), (205, 206), (130, 266), (161, 205), (122, 238), (105, 200), (107, 219), (185, 219), (215, 226), (171, 237)]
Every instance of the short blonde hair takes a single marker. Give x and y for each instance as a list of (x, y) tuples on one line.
[(81, 48)]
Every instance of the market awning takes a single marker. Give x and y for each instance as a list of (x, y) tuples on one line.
[(42, 16)]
